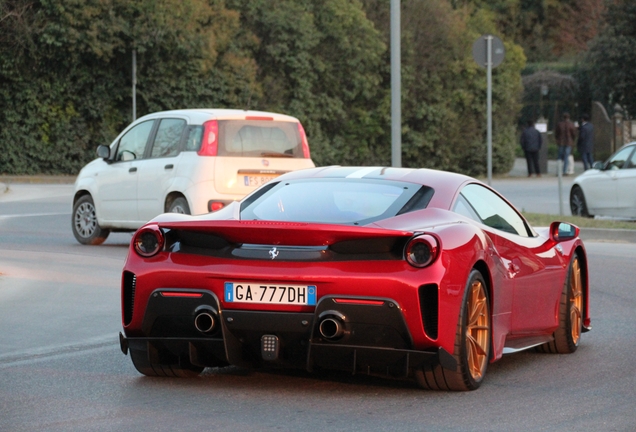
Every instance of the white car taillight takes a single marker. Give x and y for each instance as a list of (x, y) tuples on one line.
[(303, 138), (210, 143)]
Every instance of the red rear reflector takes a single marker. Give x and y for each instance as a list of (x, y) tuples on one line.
[(360, 301), (259, 118), (180, 294), (214, 206)]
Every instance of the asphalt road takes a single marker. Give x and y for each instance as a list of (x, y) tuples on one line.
[(61, 368)]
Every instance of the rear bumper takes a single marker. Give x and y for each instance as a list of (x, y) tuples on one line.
[(371, 338)]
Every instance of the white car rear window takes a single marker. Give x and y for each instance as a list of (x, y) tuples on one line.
[(259, 138)]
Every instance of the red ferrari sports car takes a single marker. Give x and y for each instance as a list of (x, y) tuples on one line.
[(410, 273)]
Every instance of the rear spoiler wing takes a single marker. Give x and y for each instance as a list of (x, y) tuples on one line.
[(283, 233)]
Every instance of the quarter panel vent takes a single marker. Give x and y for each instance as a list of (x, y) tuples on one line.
[(429, 307), (128, 296)]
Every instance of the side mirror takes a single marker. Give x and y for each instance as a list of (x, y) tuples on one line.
[(562, 231), (598, 165), (103, 152)]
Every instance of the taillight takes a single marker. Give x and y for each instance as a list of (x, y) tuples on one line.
[(422, 251), (148, 241), (210, 143), (303, 139)]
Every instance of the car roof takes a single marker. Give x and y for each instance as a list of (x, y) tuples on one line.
[(201, 115), (445, 183)]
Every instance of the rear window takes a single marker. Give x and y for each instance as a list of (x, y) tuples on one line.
[(334, 201), (259, 138)]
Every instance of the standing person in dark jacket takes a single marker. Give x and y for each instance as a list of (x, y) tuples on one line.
[(585, 144), (531, 144), (564, 133)]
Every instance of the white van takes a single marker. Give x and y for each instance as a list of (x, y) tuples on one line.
[(191, 161)]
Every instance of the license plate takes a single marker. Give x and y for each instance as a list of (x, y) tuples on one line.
[(257, 180), (249, 292)]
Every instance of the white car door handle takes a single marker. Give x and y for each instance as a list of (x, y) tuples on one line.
[(132, 170), (169, 166)]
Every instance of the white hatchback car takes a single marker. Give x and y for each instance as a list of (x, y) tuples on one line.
[(607, 188), (186, 161)]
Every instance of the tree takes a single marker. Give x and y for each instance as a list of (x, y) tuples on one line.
[(444, 90), (547, 29), (612, 57), (320, 60), (65, 75), (65, 72)]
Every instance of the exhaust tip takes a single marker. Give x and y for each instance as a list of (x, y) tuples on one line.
[(205, 322), (331, 328)]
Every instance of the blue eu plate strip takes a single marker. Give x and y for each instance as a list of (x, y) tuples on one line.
[(228, 291), (311, 295)]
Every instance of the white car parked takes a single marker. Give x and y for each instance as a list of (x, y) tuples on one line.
[(608, 188), (186, 161)]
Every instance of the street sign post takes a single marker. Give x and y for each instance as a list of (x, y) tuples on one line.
[(396, 86), (489, 52)]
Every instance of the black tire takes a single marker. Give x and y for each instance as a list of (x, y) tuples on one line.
[(472, 353), (568, 335), (578, 206), (84, 222), (177, 367), (179, 205)]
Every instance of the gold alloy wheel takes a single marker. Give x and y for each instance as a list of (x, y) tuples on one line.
[(576, 301), (477, 330)]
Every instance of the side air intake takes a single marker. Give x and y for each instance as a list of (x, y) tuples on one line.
[(128, 296), (429, 307)]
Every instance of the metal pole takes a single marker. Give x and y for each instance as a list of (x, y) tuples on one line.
[(134, 85), (489, 103), (559, 171), (396, 92)]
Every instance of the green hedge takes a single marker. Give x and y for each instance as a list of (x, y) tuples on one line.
[(65, 77)]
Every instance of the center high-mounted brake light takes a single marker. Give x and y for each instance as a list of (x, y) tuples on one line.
[(210, 142), (259, 118)]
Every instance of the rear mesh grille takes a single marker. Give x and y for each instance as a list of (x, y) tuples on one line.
[(213, 245), (128, 296), (429, 307)]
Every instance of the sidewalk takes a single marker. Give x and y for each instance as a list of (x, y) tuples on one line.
[(520, 168)]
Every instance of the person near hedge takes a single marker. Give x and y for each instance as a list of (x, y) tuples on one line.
[(531, 144), (585, 144), (564, 134)]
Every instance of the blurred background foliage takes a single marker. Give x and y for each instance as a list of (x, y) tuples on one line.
[(65, 72)]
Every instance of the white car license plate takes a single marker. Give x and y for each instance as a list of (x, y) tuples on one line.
[(257, 180), (250, 292)]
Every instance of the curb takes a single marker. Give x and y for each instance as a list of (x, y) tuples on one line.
[(35, 179), (608, 235)]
